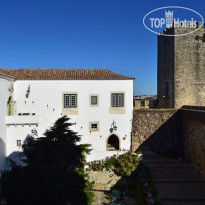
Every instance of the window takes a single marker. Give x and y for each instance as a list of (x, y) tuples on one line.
[(117, 100), (18, 142), (94, 100), (94, 126), (70, 100), (142, 103)]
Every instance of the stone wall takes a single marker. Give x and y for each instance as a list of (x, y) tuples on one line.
[(189, 72), (179, 132), (181, 70), (104, 180), (194, 136), (159, 129)]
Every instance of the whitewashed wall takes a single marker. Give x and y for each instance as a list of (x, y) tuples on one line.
[(4, 95), (43, 93)]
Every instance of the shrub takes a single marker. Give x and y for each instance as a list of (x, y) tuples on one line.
[(124, 165), (53, 172)]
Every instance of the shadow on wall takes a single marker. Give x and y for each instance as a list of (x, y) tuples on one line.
[(166, 138), (2, 155), (16, 157)]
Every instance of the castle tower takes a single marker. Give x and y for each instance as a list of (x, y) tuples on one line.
[(181, 68)]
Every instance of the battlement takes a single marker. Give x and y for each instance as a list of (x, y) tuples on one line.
[(175, 29)]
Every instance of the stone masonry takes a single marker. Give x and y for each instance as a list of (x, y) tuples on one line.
[(180, 133), (104, 180), (181, 73)]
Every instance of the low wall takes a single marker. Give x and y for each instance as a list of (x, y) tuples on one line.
[(194, 135), (179, 132), (159, 129), (104, 180)]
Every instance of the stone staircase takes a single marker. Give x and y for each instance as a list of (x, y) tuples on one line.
[(176, 181)]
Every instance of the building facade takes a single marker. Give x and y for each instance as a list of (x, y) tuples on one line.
[(98, 102), (145, 102), (181, 63)]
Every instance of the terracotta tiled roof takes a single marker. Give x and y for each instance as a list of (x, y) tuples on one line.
[(62, 74)]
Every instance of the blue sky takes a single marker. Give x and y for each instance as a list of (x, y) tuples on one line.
[(84, 34)]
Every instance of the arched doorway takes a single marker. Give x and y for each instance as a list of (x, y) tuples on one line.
[(113, 143)]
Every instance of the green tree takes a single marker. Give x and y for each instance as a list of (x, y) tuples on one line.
[(53, 172)]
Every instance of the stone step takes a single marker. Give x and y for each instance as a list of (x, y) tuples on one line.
[(181, 191), (182, 202), (174, 174), (168, 163), (176, 181), (165, 165)]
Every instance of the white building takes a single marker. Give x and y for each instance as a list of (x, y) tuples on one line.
[(98, 101)]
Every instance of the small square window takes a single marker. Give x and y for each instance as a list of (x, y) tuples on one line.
[(18, 142), (94, 100), (94, 126)]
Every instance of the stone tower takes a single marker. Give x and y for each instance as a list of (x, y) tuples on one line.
[(181, 68)]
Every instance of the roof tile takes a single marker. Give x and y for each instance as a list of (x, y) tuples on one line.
[(63, 74)]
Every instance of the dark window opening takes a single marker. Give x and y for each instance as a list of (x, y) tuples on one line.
[(18, 142), (94, 126), (113, 143), (142, 103)]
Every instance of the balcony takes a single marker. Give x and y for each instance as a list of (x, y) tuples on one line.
[(24, 119)]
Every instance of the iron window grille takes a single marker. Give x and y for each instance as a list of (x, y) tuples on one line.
[(117, 100), (70, 100)]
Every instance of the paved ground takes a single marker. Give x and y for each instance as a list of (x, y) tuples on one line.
[(176, 181), (104, 198)]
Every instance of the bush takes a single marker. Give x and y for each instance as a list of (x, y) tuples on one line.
[(124, 165), (99, 165), (53, 172)]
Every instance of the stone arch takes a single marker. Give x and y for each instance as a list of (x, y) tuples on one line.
[(113, 143)]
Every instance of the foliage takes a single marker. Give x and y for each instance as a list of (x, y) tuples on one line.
[(203, 38), (110, 162), (126, 164), (150, 183), (141, 199), (99, 165), (197, 38), (53, 172)]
